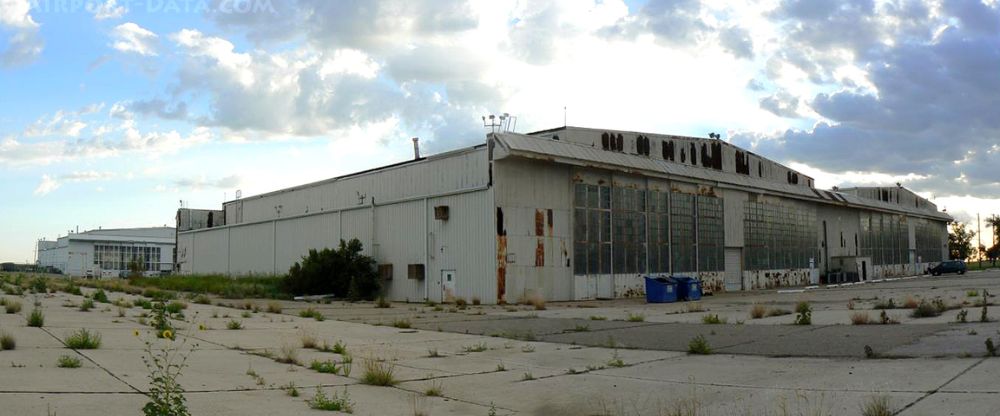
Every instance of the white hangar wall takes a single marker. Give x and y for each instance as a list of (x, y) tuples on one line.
[(395, 221)]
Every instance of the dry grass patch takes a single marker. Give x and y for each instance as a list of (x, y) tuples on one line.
[(757, 311), (860, 318)]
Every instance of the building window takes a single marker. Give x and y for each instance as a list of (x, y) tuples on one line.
[(710, 234), (885, 238), (682, 235), (659, 232), (628, 230), (591, 229), (778, 237)]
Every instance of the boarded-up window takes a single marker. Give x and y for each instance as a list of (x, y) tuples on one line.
[(415, 271), (385, 271)]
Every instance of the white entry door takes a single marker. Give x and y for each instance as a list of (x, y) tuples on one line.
[(447, 285)]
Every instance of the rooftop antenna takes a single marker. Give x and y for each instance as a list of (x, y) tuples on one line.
[(503, 123), (564, 116)]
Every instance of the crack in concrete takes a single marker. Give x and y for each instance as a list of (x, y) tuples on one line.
[(938, 389), (113, 375)]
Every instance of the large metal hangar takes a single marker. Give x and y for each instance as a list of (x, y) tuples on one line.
[(576, 213)]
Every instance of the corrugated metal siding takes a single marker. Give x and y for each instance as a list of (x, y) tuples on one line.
[(252, 249), (526, 191), (464, 243), (295, 237), (399, 239), (465, 169), (210, 252)]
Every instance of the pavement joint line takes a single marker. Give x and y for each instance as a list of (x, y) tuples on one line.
[(98, 365), (603, 373), (932, 392)]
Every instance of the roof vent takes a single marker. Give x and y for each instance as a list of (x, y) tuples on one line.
[(416, 148)]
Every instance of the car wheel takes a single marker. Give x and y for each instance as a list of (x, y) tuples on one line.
[(961, 272)]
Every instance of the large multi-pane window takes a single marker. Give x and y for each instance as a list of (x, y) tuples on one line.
[(710, 234), (592, 229), (628, 230), (682, 232), (884, 238), (659, 231), (929, 238), (778, 237), (118, 257)]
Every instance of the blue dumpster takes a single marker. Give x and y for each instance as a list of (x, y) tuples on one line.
[(660, 290), (688, 288)]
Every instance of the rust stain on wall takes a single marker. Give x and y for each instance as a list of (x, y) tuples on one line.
[(540, 253), (539, 223)]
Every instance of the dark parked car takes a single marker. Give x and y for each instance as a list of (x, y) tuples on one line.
[(951, 266)]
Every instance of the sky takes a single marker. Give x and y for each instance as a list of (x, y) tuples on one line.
[(113, 112)]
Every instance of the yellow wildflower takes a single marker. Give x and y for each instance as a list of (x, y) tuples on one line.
[(168, 334)]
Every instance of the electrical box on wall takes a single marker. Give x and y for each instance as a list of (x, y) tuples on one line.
[(441, 212)]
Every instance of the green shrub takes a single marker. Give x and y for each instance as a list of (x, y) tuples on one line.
[(73, 289), (86, 305), (66, 361), (84, 339), (100, 296), (344, 272), (713, 319), (37, 318), (234, 324)]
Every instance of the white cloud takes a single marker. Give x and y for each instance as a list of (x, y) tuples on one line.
[(50, 183), (60, 124), (24, 44), (218, 52), (16, 14), (46, 186), (107, 10), (132, 38)]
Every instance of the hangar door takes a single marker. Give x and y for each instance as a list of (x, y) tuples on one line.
[(734, 269)]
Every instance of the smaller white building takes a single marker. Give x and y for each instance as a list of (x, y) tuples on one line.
[(108, 252)]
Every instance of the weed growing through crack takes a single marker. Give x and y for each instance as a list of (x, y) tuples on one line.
[(962, 316), (598, 318), (7, 341), (860, 318), (433, 353), (86, 305), (378, 372), (333, 403), (984, 317), (757, 311), (480, 347), (12, 306), (527, 377), (778, 312), (66, 361), (402, 323), (84, 339), (991, 349), (699, 345), (308, 339), (274, 307), (877, 405), (616, 360), (289, 355), (635, 317), (972, 293), (713, 319), (327, 367), (234, 324), (382, 303), (528, 348), (693, 307), (166, 396), (435, 390), (925, 310)]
